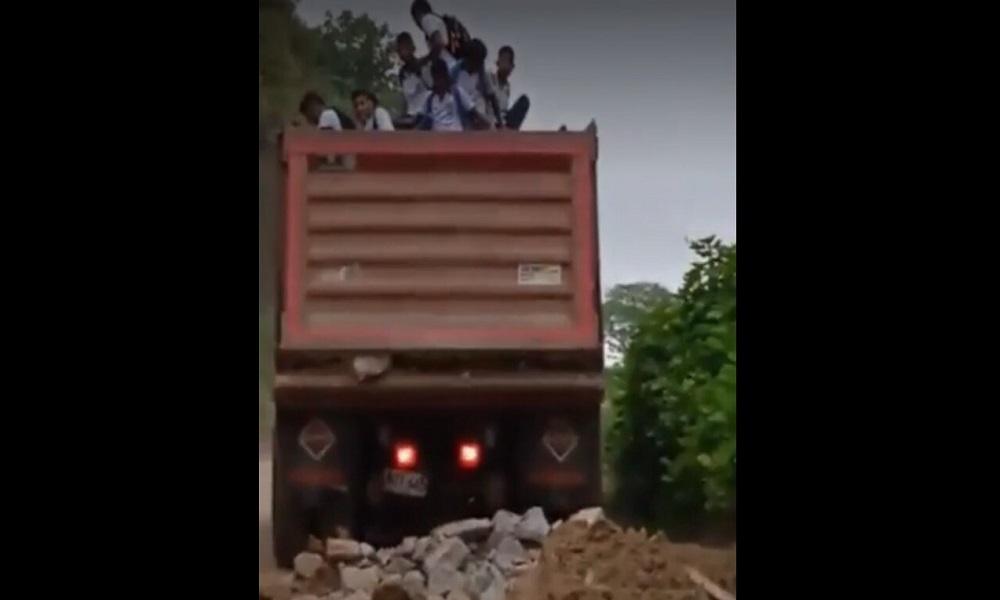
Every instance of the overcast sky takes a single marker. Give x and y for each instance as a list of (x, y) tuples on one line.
[(659, 76)]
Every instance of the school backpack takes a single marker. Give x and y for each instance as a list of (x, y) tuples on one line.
[(458, 36)]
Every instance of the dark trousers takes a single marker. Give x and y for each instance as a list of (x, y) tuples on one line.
[(517, 112)]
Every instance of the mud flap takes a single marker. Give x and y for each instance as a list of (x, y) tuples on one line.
[(559, 455), (318, 479)]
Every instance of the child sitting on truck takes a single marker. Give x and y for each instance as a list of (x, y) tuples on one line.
[(316, 113), (469, 74), (448, 107), (368, 114), (513, 114)]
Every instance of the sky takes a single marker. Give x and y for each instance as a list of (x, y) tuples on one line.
[(659, 77)]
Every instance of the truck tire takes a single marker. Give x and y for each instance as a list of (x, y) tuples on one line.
[(289, 535)]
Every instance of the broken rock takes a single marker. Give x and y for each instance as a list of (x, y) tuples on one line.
[(533, 526), (406, 547), (469, 529), (505, 521), (307, 564), (338, 550), (509, 553), (451, 553), (414, 583), (363, 580), (588, 516), (421, 548), (399, 565), (445, 579), (486, 582)]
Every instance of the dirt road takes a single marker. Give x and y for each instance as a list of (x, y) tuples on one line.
[(266, 560)]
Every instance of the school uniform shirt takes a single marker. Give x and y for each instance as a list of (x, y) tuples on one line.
[(444, 111), (431, 24), (414, 88), (502, 91), (476, 85), (382, 117), (328, 119)]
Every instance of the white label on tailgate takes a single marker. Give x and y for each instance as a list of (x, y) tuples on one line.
[(535, 274), (405, 483)]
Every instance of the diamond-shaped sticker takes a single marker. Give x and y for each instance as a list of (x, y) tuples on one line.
[(317, 438), (560, 440)]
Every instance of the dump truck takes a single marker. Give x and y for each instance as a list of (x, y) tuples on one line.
[(439, 352)]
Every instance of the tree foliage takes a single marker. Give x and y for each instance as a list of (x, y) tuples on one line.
[(624, 306), (357, 53), (673, 440), (348, 51)]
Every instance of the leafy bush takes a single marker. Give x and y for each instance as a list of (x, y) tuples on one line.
[(673, 441)]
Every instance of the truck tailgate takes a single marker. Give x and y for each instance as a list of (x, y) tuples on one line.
[(480, 240)]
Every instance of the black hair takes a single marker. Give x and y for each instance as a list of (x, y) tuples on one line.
[(477, 50), (404, 38), (357, 93), (420, 7), (508, 51), (440, 69), (310, 99)]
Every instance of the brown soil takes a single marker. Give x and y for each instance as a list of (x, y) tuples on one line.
[(605, 562)]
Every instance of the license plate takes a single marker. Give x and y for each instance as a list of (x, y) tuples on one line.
[(405, 483)]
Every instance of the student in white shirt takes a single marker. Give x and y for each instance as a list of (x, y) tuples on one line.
[(414, 77), (316, 113), (513, 115), (434, 28), (368, 113), (470, 74), (314, 110), (448, 107)]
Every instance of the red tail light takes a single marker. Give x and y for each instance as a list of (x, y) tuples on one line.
[(405, 456), (468, 456)]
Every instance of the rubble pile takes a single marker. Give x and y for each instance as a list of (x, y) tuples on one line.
[(595, 559), (509, 556)]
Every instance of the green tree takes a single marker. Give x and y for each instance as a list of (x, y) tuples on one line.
[(286, 51), (624, 306), (355, 52), (673, 441)]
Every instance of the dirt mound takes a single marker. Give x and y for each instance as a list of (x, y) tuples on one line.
[(605, 562)]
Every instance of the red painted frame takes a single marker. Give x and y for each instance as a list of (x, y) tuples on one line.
[(299, 144)]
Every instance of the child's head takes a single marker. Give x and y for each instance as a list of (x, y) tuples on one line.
[(419, 8), (505, 61), (311, 107), (404, 46), (475, 58), (364, 104), (440, 76)]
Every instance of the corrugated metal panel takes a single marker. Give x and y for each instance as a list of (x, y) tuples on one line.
[(392, 258)]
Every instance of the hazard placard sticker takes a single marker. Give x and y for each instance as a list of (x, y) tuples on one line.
[(316, 438), (560, 439)]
